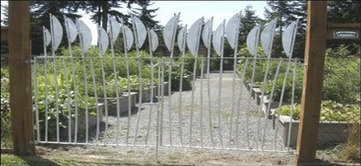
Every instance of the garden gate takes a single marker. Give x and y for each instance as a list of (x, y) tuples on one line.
[(91, 96)]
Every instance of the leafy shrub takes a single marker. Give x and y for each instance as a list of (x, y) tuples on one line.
[(176, 75), (6, 134), (342, 80), (330, 111), (189, 60)]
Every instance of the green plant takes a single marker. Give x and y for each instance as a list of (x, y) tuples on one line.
[(6, 135), (61, 104), (330, 111)]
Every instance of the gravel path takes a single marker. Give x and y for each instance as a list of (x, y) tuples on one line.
[(192, 118)]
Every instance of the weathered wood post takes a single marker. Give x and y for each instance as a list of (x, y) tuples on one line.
[(316, 32), (20, 78)]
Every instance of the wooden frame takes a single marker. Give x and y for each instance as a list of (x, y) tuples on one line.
[(315, 49), (20, 78)]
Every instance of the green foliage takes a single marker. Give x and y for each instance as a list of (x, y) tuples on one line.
[(176, 75), (189, 60), (341, 76), (6, 135), (330, 111)]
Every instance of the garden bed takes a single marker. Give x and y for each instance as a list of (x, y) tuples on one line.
[(328, 132)]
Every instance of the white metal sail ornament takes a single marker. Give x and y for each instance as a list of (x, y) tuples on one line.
[(154, 39), (207, 32), (70, 28), (289, 37), (47, 37), (139, 30), (267, 36), (181, 39), (193, 37), (114, 28), (85, 35), (56, 32), (169, 32), (128, 35), (217, 39), (103, 40), (232, 29), (252, 40)]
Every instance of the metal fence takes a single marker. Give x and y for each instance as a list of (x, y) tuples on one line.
[(162, 104)]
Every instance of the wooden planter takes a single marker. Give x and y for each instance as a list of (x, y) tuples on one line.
[(328, 132)]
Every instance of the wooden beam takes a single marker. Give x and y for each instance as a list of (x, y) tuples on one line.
[(316, 31), (20, 78)]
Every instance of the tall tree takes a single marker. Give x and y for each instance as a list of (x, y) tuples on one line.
[(286, 12), (99, 10), (39, 12), (347, 11), (248, 21), (147, 15)]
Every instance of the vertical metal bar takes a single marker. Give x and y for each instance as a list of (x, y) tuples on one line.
[(239, 102), (36, 100), (74, 81), (170, 98), (151, 86), (292, 106), (180, 98), (262, 96), (220, 86), (281, 100), (270, 99), (140, 98), (55, 79), (201, 117), (208, 84), (162, 103), (96, 100), (68, 96), (249, 100), (86, 101), (46, 98), (157, 142), (192, 100), (233, 86), (105, 101), (116, 80)]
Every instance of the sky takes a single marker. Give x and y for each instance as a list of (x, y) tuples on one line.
[(190, 11)]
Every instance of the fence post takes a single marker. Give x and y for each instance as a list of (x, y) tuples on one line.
[(316, 32), (20, 78)]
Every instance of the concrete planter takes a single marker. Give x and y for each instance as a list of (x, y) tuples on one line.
[(123, 103), (92, 121), (328, 132)]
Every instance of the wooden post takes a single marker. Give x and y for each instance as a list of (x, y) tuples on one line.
[(20, 78), (316, 32)]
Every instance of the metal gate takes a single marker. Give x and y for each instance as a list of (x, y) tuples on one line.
[(97, 97)]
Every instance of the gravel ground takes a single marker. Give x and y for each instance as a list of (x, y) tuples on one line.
[(201, 122)]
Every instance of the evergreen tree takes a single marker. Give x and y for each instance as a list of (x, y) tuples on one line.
[(286, 12), (347, 11), (39, 12), (248, 21), (99, 11), (147, 15)]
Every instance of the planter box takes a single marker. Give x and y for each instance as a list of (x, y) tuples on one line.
[(123, 103), (92, 122), (328, 131), (255, 93)]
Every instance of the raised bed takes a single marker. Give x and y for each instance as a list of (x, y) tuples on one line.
[(328, 132), (123, 103)]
